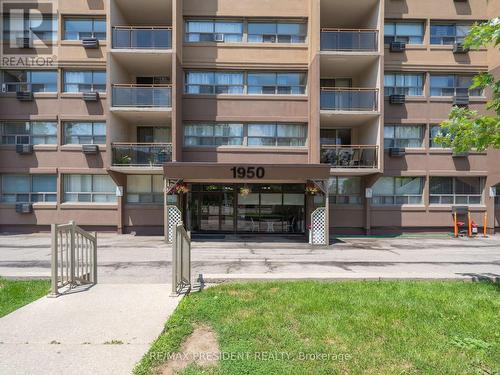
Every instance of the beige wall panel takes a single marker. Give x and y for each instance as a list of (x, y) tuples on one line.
[(245, 156), (437, 9), (255, 8)]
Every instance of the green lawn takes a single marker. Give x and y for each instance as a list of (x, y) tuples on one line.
[(15, 294), (378, 328)]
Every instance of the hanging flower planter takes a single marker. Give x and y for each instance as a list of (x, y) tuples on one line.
[(244, 191), (181, 188), (312, 189)]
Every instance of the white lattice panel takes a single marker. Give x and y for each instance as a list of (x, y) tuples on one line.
[(318, 227), (173, 218)]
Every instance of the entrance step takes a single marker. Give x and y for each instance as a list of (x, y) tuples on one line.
[(254, 238)]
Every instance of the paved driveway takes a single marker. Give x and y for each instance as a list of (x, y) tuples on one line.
[(129, 259)]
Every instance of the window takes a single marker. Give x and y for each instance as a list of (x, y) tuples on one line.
[(79, 28), (273, 32), (145, 189), (213, 134), (404, 84), (29, 80), (451, 85), (277, 83), (34, 132), (497, 197), (43, 28), (82, 133), (345, 190), (89, 188), (221, 134), (335, 137), (84, 81), (398, 190), (214, 83), (198, 82), (456, 190), (277, 135), (448, 33), (405, 136), (434, 131), (28, 188), (406, 32), (214, 31)]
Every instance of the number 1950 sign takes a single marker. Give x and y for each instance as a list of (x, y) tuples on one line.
[(248, 172)]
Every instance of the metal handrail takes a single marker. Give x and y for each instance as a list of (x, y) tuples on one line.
[(348, 89), (143, 27), (140, 85), (326, 29), (366, 156)]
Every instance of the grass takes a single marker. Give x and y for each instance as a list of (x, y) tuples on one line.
[(17, 293), (363, 328)]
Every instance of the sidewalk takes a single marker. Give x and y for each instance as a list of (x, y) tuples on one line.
[(103, 330)]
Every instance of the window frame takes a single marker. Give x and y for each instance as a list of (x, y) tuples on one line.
[(28, 84), (90, 193), (93, 33), (31, 194), (274, 38), (156, 197), (452, 38), (476, 93), (403, 90), (453, 195), (401, 37), (93, 87), (28, 32), (93, 137), (29, 136), (214, 21), (353, 199)]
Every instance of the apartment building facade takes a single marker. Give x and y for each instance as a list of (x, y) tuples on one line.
[(246, 116)]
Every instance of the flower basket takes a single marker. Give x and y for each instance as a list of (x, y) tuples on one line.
[(244, 191), (312, 189), (181, 188)]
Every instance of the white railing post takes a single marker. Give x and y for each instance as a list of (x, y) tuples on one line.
[(94, 259), (174, 260), (72, 253), (54, 290)]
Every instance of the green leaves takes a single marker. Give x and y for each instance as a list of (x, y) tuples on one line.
[(484, 34)]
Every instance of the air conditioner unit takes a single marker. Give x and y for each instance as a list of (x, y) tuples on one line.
[(24, 96), (90, 149), (24, 208), (459, 48), (90, 43), (91, 96), (24, 149), (218, 37), (460, 154), (397, 99), (24, 42), (460, 1), (461, 100), (397, 46), (397, 151)]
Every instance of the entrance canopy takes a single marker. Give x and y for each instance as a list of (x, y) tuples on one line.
[(248, 173)]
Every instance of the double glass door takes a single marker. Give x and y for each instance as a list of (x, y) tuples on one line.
[(212, 211)]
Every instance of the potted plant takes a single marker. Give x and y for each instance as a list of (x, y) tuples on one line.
[(181, 188), (125, 159), (244, 191)]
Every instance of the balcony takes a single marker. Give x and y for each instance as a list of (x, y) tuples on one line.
[(142, 96), (345, 40), (350, 156), (142, 37), (141, 154), (349, 99)]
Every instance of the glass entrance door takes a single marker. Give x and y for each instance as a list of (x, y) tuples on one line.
[(212, 210)]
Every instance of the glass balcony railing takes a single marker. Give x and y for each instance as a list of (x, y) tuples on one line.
[(142, 37), (141, 154), (143, 96), (349, 156), (349, 40), (349, 99)]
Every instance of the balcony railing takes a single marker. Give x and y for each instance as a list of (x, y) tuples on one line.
[(349, 99), (141, 154), (349, 40), (142, 37), (142, 96), (350, 156)]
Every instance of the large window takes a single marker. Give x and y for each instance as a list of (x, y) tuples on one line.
[(448, 33), (335, 137), (451, 85), (434, 131), (198, 82), (28, 188), (345, 190), (79, 28), (215, 82), (34, 132), (277, 32), (277, 83), (84, 81), (456, 190), (89, 188), (43, 28), (145, 189), (29, 80), (406, 32), (398, 190), (214, 31), (85, 133), (406, 136), (404, 84), (254, 134)]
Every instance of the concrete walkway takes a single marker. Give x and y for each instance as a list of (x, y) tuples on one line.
[(103, 330)]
